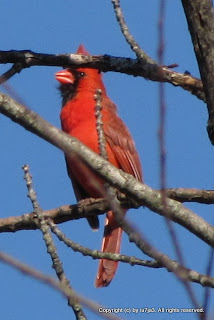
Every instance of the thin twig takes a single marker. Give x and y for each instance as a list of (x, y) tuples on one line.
[(162, 106), (162, 144), (207, 292), (16, 68), (194, 276), (51, 248), (162, 132), (95, 254), (58, 285), (127, 35), (99, 124)]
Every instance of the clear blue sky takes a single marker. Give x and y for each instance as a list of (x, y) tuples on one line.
[(58, 27)]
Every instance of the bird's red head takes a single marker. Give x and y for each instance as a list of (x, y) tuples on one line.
[(75, 79), (66, 76)]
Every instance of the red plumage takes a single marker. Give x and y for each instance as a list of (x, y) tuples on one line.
[(78, 87)]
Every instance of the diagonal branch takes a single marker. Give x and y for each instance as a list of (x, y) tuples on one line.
[(127, 35), (191, 275), (117, 178), (57, 285), (16, 68), (50, 246)]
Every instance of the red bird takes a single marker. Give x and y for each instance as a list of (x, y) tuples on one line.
[(77, 88)]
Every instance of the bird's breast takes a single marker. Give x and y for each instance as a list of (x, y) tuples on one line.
[(78, 120)]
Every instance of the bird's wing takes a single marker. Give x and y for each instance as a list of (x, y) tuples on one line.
[(121, 143)]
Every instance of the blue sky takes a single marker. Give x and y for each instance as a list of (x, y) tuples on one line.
[(59, 27)]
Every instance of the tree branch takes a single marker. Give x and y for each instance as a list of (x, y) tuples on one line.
[(117, 178), (50, 246), (143, 68), (16, 68), (192, 275), (127, 35), (200, 19), (28, 221), (60, 287), (95, 254)]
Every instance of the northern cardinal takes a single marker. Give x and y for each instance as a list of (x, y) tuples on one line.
[(77, 87)]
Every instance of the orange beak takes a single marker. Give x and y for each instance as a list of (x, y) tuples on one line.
[(64, 77)]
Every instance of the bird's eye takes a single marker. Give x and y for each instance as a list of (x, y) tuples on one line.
[(81, 74)]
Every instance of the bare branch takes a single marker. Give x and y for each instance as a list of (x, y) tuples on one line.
[(135, 67), (127, 35), (162, 154), (181, 272), (207, 292), (117, 178), (59, 286), (95, 254), (51, 248), (204, 280), (191, 195), (99, 124), (200, 19), (16, 68), (65, 213)]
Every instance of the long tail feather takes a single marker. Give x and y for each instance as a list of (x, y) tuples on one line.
[(111, 243)]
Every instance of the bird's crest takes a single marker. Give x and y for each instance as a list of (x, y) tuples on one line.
[(82, 50)]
